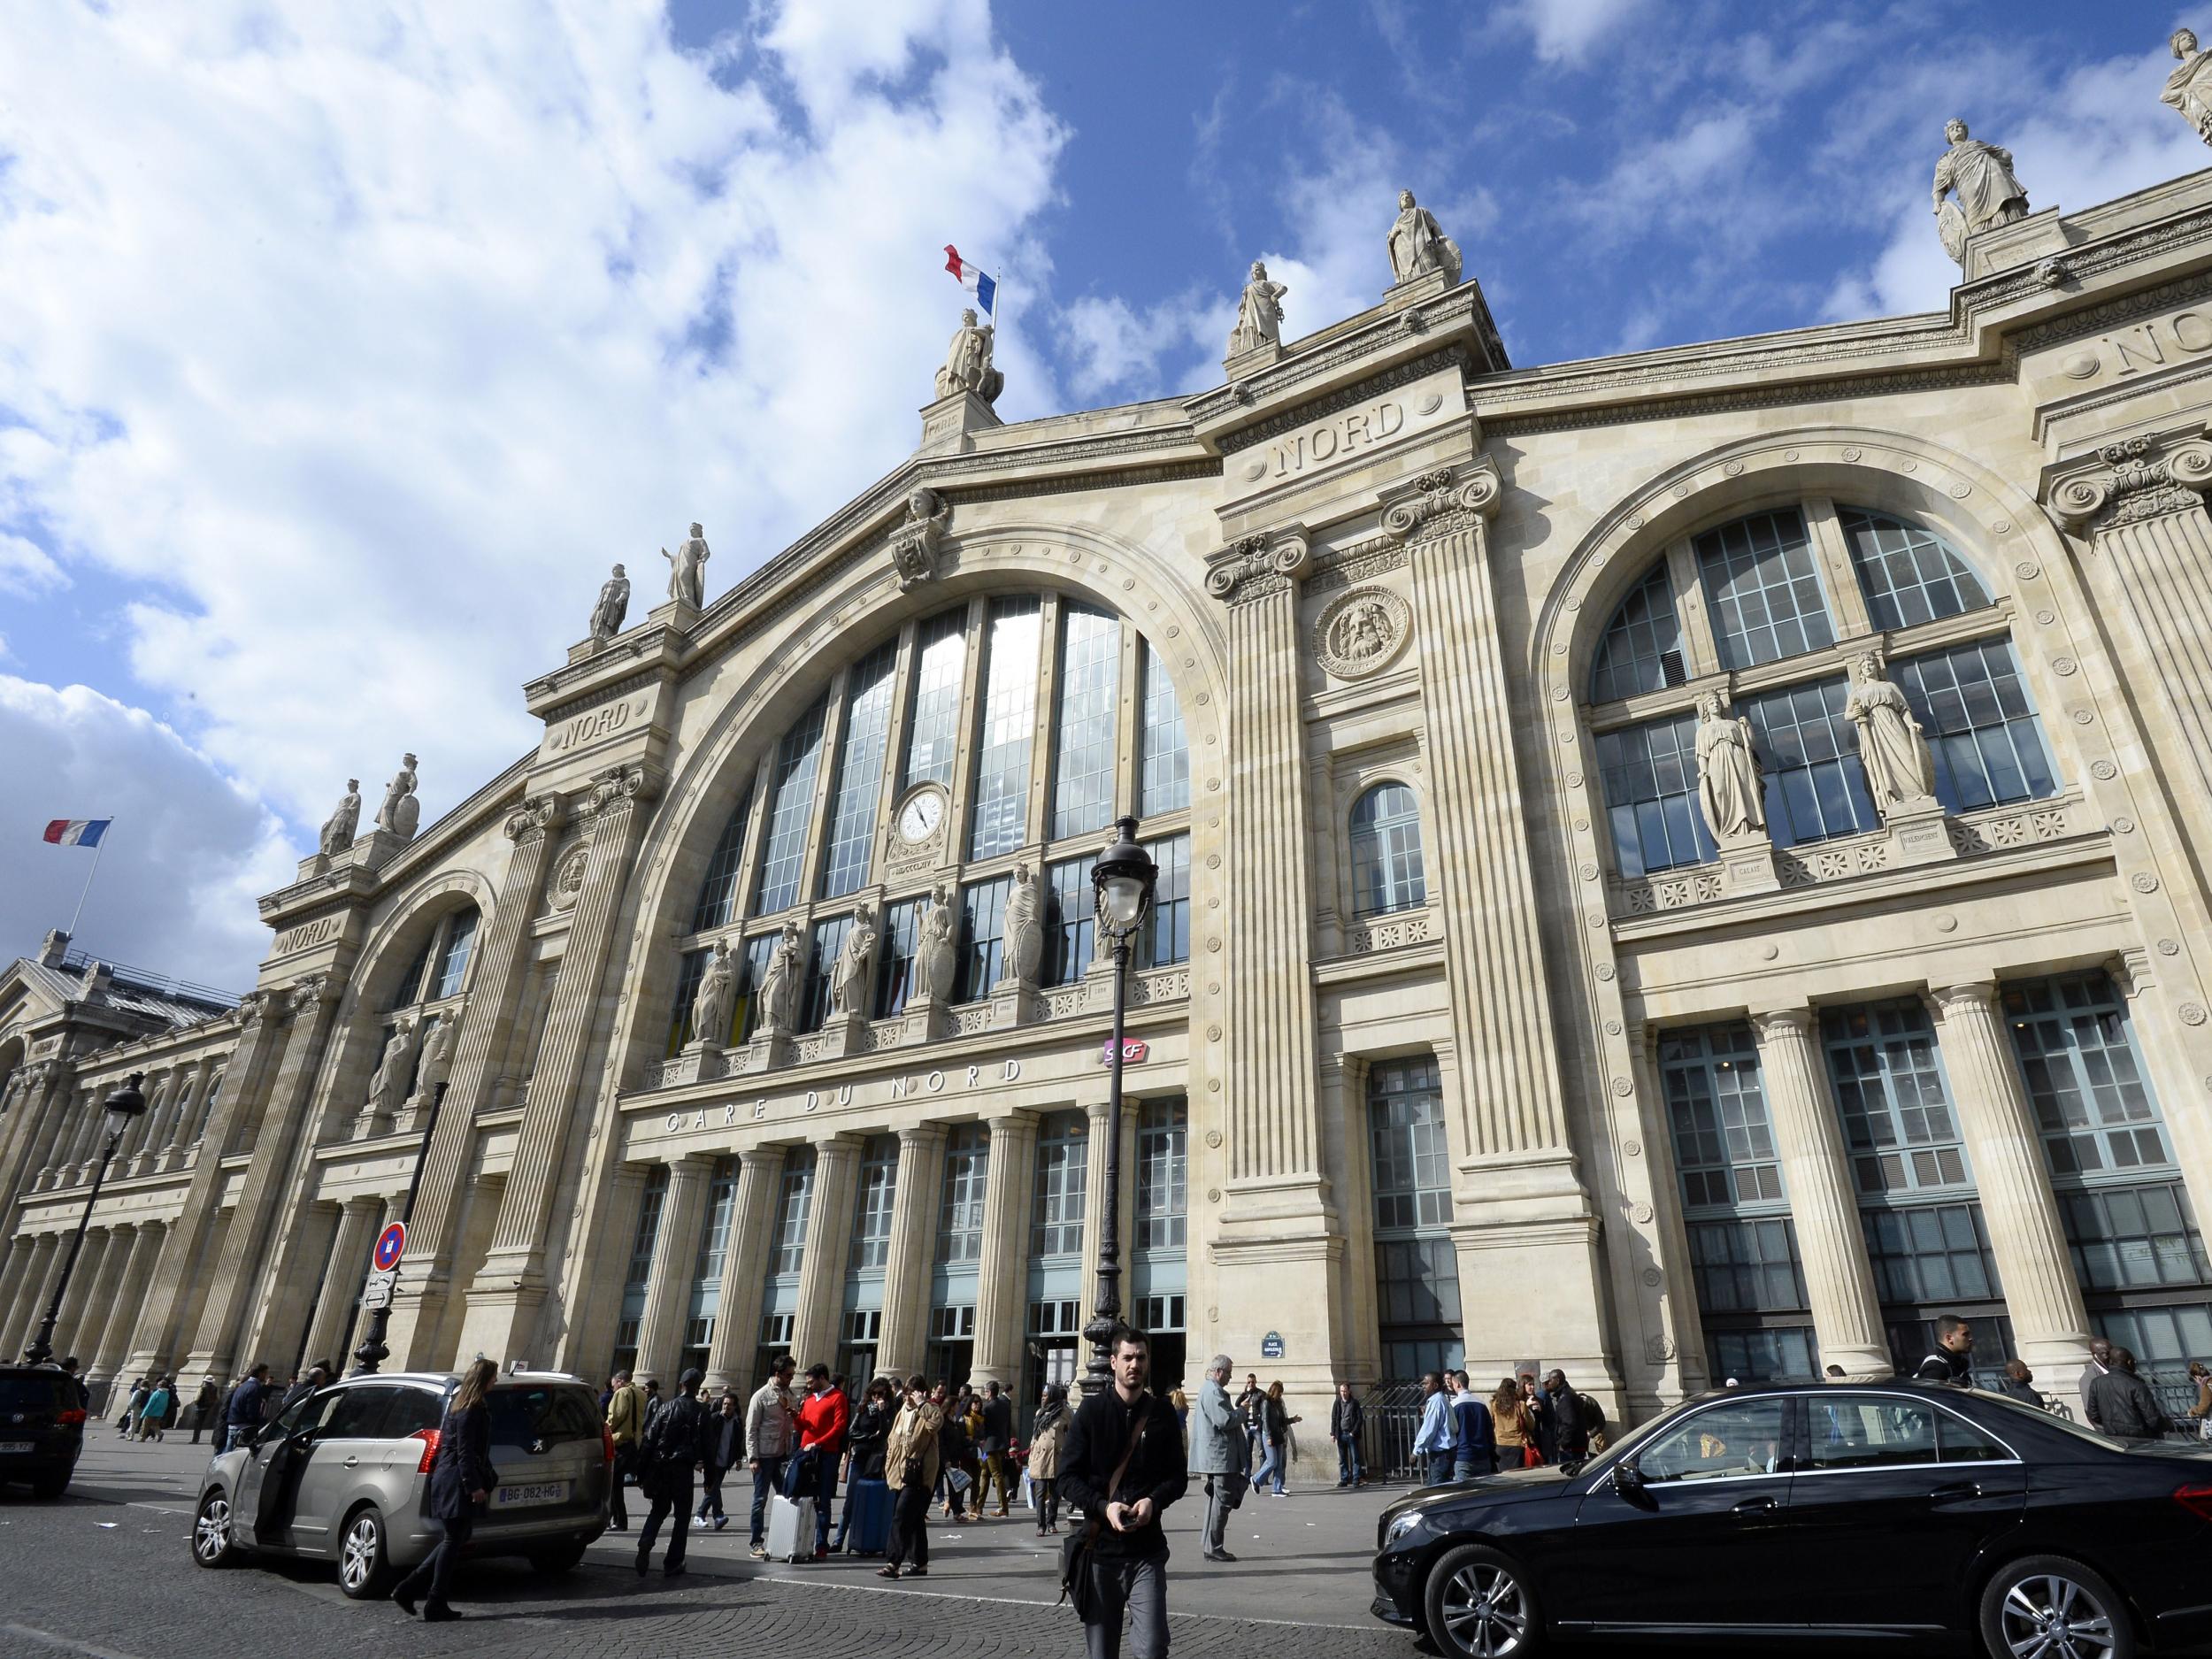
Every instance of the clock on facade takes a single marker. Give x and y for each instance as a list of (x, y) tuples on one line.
[(919, 818)]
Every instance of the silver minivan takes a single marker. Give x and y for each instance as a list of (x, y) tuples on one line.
[(343, 1475)]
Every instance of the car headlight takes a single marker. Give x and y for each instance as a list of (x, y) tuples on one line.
[(1409, 1522)]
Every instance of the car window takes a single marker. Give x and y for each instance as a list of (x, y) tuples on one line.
[(1959, 1441), (411, 1411), (552, 1413), (359, 1414), (1869, 1430), (37, 1393), (1727, 1442), (311, 1413)]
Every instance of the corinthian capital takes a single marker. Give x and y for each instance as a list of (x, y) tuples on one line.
[(2131, 480), (1442, 500), (1258, 566), (619, 785), (535, 816)]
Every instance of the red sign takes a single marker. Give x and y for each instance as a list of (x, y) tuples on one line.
[(1135, 1051), (391, 1244)]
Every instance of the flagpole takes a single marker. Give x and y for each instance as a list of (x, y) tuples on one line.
[(98, 848)]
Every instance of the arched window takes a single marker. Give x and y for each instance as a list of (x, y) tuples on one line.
[(1386, 871), (1763, 585), (1642, 647), (439, 968), (1909, 574)]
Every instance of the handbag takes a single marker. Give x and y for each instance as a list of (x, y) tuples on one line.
[(1076, 1586)]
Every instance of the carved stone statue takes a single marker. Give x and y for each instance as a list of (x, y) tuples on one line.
[(388, 1089), (1419, 245), (1025, 930), (968, 362), (914, 543), (936, 950), (1259, 313), (849, 980), (401, 811), (1727, 774), (437, 1054), (1363, 632), (614, 604), (338, 826), (778, 1003), (1892, 748), (2189, 89), (1989, 194), (711, 1002), (687, 571)]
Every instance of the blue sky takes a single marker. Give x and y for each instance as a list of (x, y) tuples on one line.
[(352, 341)]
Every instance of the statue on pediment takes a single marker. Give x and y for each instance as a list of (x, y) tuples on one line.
[(779, 995), (1728, 790), (849, 982), (687, 570), (401, 811), (339, 827), (388, 1089), (968, 362), (936, 950), (2189, 89), (914, 543), (614, 604), (1418, 244), (1892, 748), (711, 1002), (1989, 193), (1024, 930), (1259, 314)]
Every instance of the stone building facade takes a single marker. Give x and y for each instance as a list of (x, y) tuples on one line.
[(1471, 1024)]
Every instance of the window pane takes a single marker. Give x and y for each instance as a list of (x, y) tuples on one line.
[(1071, 921), (814, 991), (1727, 1442), (879, 1184), (1056, 1212), (1166, 784), (940, 655), (1650, 779), (787, 1247), (1164, 937), (1815, 788), (1760, 579), (1162, 1131), (982, 938), (1010, 721), (1986, 741), (894, 956), (1870, 1431), (1642, 647), (717, 892), (960, 1215), (1908, 574), (1386, 866), (790, 808), (1088, 685), (854, 803)]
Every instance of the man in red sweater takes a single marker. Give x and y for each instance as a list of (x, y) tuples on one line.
[(823, 1419)]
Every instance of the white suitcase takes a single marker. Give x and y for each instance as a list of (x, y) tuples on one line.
[(790, 1528)]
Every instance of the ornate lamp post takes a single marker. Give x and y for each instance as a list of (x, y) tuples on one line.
[(373, 1350), (1122, 885), (123, 1108)]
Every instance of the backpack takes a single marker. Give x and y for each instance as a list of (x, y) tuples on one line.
[(1593, 1416)]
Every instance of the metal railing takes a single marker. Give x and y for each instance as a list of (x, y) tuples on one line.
[(153, 984)]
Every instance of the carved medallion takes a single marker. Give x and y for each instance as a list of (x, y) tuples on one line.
[(568, 881), (1362, 632)]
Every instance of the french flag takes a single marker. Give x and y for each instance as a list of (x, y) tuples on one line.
[(978, 282), (77, 831)]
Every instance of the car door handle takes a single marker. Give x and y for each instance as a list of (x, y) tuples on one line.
[(1962, 1489), (351, 1462), (1757, 1506)]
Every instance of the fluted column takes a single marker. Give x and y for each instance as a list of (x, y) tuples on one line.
[(494, 995), (22, 1140), (331, 1332), (2050, 1327), (128, 1300), (193, 1129), (829, 1238), (29, 1301), (49, 1281), (914, 1206), (745, 1269), (1002, 1273), (152, 1131), (505, 1302), (1095, 1128), (660, 1336), (161, 1131), (1831, 1244), (70, 1337)]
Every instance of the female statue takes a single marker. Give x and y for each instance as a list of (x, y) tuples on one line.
[(1025, 930), (1727, 773), (1259, 313), (1892, 748), (388, 1089), (936, 951), (779, 986), (2189, 89), (849, 984), (711, 1002)]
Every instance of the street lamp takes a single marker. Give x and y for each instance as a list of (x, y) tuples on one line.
[(374, 1350), (123, 1107), (1121, 885)]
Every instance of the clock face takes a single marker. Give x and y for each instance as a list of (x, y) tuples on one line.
[(918, 817)]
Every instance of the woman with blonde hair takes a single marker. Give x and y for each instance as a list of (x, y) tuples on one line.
[(1510, 1422), (461, 1482), (1275, 1420)]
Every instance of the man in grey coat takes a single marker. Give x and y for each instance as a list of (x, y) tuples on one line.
[(1219, 1451)]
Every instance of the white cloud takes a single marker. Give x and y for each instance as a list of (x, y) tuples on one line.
[(25, 568), (179, 871), (374, 342), (1118, 349), (1563, 31)]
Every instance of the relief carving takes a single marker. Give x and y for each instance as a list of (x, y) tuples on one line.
[(914, 543), (1362, 632), (2132, 483)]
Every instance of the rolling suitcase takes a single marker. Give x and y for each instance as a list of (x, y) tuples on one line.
[(870, 1533), (790, 1528)]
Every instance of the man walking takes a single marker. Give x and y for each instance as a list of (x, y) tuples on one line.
[(1122, 1465), (625, 1425), (2125, 1408), (769, 1422), (242, 1420), (725, 1444), (2100, 1362), (1477, 1452), (910, 1465), (676, 1442), (1346, 1419), (998, 1432), (1252, 1407), (1438, 1436), (1219, 1450), (823, 1421), (1953, 1359), (1566, 1421)]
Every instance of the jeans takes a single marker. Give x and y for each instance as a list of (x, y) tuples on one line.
[(435, 1574), (1348, 1469), (1271, 1468), (710, 1499), (672, 1503), (767, 1478), (1141, 1587), (1224, 1493), (909, 1526), (1437, 1466), (1047, 1491), (625, 1466), (1463, 1469)]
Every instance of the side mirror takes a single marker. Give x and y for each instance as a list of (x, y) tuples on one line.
[(1628, 1480)]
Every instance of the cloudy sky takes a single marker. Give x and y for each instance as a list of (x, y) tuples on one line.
[(343, 346)]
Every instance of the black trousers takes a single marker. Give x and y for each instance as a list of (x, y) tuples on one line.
[(672, 1503), (625, 1466), (909, 1526), (435, 1576)]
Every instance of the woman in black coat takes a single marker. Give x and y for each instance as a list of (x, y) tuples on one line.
[(461, 1480)]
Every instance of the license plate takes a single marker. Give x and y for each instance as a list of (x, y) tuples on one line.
[(18, 1447), (542, 1492)]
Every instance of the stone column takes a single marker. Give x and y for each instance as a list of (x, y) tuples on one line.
[(192, 1131), (33, 1313), (1831, 1246), (915, 1203), (816, 1330), (137, 1249), (660, 1333), (505, 1302), (22, 1140), (31, 1291), (173, 1133), (331, 1332), (1095, 1130), (1001, 1275), (135, 1154), (496, 982), (1524, 1213), (2050, 1327), (70, 1337), (745, 1269)]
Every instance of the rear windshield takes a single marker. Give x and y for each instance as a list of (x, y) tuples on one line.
[(550, 1412), (37, 1393)]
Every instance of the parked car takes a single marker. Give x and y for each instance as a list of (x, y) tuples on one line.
[(1908, 1511), (343, 1475), (42, 1426)]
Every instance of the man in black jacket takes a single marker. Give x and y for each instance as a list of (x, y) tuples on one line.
[(998, 1433), (676, 1441), (1953, 1359), (1129, 1556)]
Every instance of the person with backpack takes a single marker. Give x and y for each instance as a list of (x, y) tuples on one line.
[(677, 1440), (204, 1409), (1122, 1464), (1566, 1426)]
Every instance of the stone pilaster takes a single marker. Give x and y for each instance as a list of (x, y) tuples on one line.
[(829, 1237), (23, 1138), (1520, 1196), (497, 991), (1831, 1246), (745, 1269), (70, 1336), (136, 1248), (914, 1205), (1095, 1129), (166, 1091), (505, 1300), (39, 1264), (192, 1132), (330, 1333), (1002, 1273), (660, 1336), (2050, 1328)]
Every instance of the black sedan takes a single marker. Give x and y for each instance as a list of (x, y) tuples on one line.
[(1900, 1511)]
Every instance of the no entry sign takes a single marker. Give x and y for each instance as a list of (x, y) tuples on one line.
[(391, 1244)]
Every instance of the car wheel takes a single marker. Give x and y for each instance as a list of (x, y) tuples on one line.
[(2052, 1607), (362, 1567), (1480, 1605), (211, 1532), (49, 1486), (554, 1562)]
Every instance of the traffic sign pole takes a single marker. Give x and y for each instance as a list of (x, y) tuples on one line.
[(378, 1298)]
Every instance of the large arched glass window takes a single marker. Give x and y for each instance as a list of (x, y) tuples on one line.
[(1386, 869), (1642, 647), (426, 992), (1909, 574), (1763, 582)]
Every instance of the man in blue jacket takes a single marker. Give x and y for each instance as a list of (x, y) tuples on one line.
[(243, 1418), (1439, 1434), (1477, 1452)]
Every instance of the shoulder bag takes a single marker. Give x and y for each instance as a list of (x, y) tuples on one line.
[(1076, 1586)]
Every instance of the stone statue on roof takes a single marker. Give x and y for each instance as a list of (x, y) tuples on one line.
[(1418, 244), (2189, 89), (1259, 313), (401, 811), (614, 604), (1989, 193), (339, 827), (968, 362), (687, 571)]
